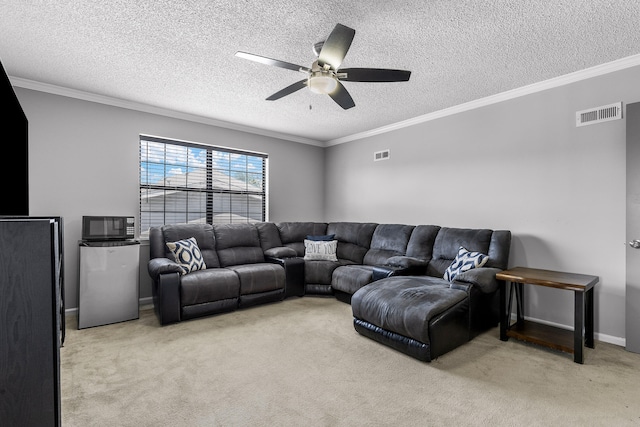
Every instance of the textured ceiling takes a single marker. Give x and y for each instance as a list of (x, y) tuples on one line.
[(179, 55)]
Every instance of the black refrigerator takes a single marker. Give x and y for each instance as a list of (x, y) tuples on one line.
[(31, 320)]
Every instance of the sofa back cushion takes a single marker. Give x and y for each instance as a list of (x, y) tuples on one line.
[(499, 249), (203, 233), (354, 239), (292, 234), (237, 244), (388, 240), (449, 240), (269, 235), (421, 242), (157, 248)]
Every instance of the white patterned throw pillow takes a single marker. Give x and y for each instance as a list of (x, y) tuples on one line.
[(187, 254), (320, 250), (465, 261)]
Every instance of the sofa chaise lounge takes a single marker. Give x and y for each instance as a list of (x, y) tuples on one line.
[(393, 275)]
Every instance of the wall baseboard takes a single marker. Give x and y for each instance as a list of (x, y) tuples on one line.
[(597, 335), (142, 302)]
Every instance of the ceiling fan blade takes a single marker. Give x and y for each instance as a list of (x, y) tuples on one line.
[(374, 75), (336, 46), (274, 62), (288, 90), (342, 97)]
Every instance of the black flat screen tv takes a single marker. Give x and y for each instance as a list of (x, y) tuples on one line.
[(15, 151)]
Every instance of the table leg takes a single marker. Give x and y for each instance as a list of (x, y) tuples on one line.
[(588, 315), (520, 303), (504, 312), (578, 325)]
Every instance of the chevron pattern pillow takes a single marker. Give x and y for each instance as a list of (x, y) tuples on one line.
[(465, 261), (187, 255)]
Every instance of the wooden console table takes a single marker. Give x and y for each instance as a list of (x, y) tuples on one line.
[(560, 339)]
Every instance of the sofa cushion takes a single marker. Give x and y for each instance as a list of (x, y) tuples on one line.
[(187, 255), (350, 278), (320, 272), (292, 234), (499, 249), (449, 240), (238, 244), (269, 235), (420, 244), (354, 239), (405, 305), (208, 285), (203, 233), (464, 261), (388, 240), (257, 278), (323, 250)]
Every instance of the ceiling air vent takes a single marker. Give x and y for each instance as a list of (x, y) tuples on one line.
[(599, 114), (381, 155)]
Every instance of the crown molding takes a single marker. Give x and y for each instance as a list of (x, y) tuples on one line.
[(598, 70), (137, 106)]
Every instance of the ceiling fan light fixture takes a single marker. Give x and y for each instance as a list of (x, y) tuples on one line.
[(325, 75), (322, 82)]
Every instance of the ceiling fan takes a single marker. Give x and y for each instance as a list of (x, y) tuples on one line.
[(325, 75)]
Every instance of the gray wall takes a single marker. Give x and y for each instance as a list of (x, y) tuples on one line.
[(83, 160), (520, 165)]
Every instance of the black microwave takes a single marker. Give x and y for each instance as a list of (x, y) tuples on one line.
[(96, 228)]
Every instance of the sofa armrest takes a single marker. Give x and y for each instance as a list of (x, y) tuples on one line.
[(293, 273), (407, 262), (157, 266), (166, 297), (400, 266), (382, 271), (280, 252), (484, 302), (483, 278), (165, 275)]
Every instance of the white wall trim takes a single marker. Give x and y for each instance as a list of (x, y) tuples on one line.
[(143, 303), (137, 106), (622, 342), (577, 76)]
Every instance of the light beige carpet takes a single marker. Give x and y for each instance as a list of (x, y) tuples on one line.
[(300, 363)]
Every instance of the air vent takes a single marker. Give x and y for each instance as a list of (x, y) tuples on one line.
[(599, 114), (381, 155)]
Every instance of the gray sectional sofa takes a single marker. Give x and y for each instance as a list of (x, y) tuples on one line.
[(391, 274)]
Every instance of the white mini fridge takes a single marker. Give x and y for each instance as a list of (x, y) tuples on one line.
[(109, 282)]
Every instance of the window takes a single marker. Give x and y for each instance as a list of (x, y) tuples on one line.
[(183, 182)]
